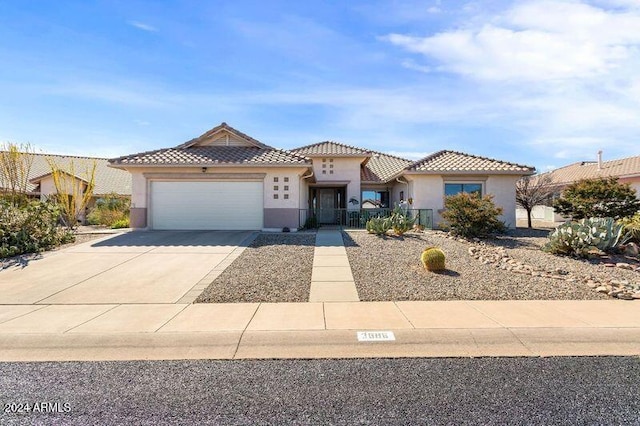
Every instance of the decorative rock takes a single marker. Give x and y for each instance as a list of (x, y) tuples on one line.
[(636, 295), (623, 265), (625, 296), (609, 265), (632, 250), (602, 289)]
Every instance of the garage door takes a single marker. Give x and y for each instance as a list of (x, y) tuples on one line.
[(206, 205)]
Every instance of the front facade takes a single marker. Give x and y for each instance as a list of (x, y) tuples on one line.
[(226, 180)]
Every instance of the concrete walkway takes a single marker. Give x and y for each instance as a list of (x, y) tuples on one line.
[(318, 330), (331, 278)]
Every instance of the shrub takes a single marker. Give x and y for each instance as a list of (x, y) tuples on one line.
[(400, 222), (632, 226), (378, 225), (30, 229), (587, 235), (122, 223), (109, 210), (469, 215), (597, 198), (432, 259)]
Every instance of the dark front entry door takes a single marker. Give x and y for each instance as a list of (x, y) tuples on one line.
[(327, 203)]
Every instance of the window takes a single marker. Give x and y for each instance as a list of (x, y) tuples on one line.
[(286, 179), (275, 179), (286, 187), (401, 195), (456, 188), (286, 196), (375, 199), (275, 196), (275, 187)]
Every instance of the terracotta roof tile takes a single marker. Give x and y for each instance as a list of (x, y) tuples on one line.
[(331, 148), (458, 162), (211, 155), (382, 167), (589, 170)]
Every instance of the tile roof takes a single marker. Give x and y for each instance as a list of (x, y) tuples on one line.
[(107, 179), (212, 155), (382, 167), (457, 162), (331, 148), (629, 166), (222, 127)]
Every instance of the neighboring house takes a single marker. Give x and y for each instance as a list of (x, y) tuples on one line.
[(626, 170), (226, 179), (107, 180)]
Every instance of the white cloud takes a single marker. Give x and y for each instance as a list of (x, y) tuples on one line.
[(563, 73), (535, 41), (142, 26)]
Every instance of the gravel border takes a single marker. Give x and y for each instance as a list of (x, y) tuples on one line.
[(389, 268), (273, 268)]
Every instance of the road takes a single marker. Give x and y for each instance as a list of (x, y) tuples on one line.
[(362, 391)]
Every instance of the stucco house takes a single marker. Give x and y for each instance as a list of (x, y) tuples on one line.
[(225, 179), (625, 170), (107, 180)]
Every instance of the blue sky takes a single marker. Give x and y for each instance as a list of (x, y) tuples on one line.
[(539, 82)]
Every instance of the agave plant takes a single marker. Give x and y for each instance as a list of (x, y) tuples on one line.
[(579, 238)]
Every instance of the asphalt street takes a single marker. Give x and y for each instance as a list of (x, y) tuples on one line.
[(602, 390)]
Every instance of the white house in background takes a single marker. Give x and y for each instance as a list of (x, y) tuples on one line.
[(225, 179)]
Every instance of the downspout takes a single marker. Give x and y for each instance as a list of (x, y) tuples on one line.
[(406, 183)]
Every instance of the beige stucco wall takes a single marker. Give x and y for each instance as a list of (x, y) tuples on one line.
[(48, 188), (634, 182), (428, 193), (344, 170), (290, 194), (503, 188)]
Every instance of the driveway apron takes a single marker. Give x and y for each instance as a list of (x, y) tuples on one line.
[(136, 267)]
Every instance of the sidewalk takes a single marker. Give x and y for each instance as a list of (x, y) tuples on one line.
[(318, 330)]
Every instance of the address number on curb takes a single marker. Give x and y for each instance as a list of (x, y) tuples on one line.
[(375, 336)]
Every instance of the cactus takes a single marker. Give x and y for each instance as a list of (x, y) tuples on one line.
[(400, 222), (433, 259), (378, 225), (579, 238)]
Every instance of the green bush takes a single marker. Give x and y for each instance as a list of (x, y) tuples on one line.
[(597, 198), (632, 226), (30, 229), (109, 209), (122, 223), (470, 216), (587, 235)]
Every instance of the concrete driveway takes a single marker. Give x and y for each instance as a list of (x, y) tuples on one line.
[(136, 267)]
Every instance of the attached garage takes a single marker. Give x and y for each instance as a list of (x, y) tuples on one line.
[(206, 205)]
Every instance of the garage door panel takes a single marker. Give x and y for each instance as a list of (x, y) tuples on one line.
[(207, 205)]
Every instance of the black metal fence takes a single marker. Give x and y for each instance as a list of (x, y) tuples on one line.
[(357, 219)]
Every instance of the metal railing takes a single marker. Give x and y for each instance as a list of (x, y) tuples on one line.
[(357, 219)]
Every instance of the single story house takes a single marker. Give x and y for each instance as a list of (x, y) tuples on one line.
[(107, 180), (225, 179), (626, 170)]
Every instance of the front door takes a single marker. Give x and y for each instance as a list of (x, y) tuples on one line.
[(327, 205)]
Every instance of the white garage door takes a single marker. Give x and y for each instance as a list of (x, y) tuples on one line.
[(206, 205)]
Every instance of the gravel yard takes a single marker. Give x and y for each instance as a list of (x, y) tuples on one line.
[(389, 268), (274, 268)]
